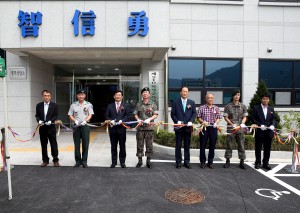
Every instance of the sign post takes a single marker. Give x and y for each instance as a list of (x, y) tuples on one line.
[(7, 156)]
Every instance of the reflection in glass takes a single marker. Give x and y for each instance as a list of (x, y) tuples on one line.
[(227, 96), (297, 97), (276, 74), (173, 96), (297, 75), (184, 72), (282, 98), (223, 73)]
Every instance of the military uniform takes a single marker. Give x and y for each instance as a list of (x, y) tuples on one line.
[(235, 113), (145, 132), (80, 113)]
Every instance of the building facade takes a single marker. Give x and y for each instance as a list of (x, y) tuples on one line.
[(208, 45)]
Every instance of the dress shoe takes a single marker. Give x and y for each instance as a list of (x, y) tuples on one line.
[(76, 165), (227, 164), (209, 165), (113, 165), (187, 165), (56, 164), (85, 165), (44, 164), (256, 166), (123, 165), (267, 167), (202, 165), (178, 165)]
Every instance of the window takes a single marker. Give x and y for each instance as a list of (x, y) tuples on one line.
[(281, 79), (201, 76)]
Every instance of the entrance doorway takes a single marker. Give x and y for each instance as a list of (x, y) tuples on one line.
[(100, 91)]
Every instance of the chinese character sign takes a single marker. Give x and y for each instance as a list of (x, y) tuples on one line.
[(154, 86), (88, 23), (29, 23), (138, 24)]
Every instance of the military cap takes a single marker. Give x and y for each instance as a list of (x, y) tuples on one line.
[(145, 89), (80, 91), (235, 91)]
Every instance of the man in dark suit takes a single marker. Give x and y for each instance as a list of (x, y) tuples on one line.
[(46, 114), (117, 112), (263, 115), (183, 112)]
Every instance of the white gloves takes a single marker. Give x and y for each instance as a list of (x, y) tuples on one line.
[(189, 124), (243, 126), (83, 123), (263, 127), (48, 123), (139, 120), (178, 122), (112, 122), (119, 122), (147, 121), (233, 125), (76, 122), (215, 125), (41, 123), (272, 127)]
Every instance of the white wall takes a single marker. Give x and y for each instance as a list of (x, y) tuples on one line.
[(111, 24)]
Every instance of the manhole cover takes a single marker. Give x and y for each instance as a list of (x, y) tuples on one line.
[(184, 196)]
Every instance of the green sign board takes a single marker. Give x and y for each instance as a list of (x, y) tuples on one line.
[(2, 68)]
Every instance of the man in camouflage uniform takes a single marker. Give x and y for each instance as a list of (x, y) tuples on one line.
[(146, 111), (235, 114), (80, 113)]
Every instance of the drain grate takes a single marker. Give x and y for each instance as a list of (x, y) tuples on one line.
[(184, 196)]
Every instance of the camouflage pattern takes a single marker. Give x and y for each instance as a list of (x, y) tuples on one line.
[(144, 111), (235, 113), (144, 136)]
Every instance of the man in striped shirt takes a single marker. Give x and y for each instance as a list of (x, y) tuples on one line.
[(209, 115)]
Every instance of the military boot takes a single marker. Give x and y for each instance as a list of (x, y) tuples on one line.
[(227, 164), (149, 165), (242, 164), (138, 165)]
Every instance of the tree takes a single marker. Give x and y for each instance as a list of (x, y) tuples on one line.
[(256, 100)]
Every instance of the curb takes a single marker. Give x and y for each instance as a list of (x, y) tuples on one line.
[(276, 156)]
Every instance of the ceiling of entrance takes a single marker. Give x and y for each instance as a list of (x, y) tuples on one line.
[(90, 61)]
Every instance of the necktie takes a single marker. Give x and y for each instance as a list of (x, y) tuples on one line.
[(46, 106), (184, 105), (118, 107)]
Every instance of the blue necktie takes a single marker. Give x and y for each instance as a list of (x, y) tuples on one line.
[(184, 105)]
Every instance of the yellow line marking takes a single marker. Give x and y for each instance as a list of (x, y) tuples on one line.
[(68, 148)]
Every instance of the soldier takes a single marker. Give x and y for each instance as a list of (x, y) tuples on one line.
[(235, 113), (145, 112), (80, 113)]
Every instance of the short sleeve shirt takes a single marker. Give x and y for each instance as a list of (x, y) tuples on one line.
[(235, 113), (209, 115), (144, 111), (81, 111)]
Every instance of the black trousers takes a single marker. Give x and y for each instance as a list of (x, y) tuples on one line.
[(263, 139), (48, 133), (81, 135), (186, 136), (211, 135), (116, 138)]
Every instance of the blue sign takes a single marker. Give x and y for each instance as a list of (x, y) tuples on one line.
[(29, 23), (138, 24), (88, 23)]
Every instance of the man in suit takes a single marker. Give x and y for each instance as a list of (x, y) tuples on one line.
[(183, 112), (117, 112), (46, 114), (263, 115), (209, 115)]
